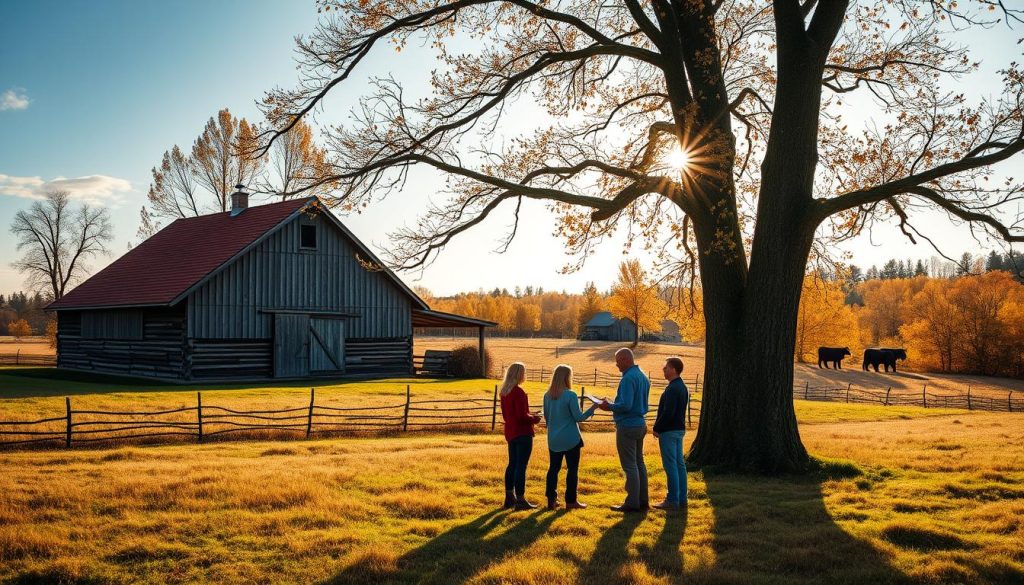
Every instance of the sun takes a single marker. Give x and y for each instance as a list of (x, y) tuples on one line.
[(678, 159)]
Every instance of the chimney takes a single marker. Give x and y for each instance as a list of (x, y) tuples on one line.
[(239, 200)]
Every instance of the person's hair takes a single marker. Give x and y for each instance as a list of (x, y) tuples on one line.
[(676, 363), (514, 376), (561, 379)]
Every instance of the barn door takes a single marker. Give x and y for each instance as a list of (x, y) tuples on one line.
[(291, 346), (327, 345)]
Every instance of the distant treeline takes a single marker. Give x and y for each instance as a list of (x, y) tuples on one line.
[(19, 305)]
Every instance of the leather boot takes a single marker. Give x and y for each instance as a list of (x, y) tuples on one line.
[(552, 504), (522, 504), (510, 500)]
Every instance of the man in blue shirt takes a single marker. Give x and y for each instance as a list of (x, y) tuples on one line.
[(628, 411)]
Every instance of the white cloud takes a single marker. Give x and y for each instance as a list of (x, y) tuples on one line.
[(92, 189), (14, 99)]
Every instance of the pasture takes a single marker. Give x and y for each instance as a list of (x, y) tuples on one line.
[(933, 499), (900, 494)]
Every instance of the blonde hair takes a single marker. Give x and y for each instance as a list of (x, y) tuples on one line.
[(514, 376), (561, 379)]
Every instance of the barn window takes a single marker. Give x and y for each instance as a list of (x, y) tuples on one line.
[(307, 237)]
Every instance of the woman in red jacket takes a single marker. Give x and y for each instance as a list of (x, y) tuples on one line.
[(519, 421)]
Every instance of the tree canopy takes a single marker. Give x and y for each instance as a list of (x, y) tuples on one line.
[(711, 130)]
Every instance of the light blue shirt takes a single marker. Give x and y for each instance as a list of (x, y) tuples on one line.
[(630, 406), (562, 416)]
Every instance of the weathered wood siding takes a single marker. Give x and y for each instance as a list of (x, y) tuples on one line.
[(212, 359), (277, 274), (159, 353)]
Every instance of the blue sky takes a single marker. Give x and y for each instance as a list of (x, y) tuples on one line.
[(97, 91)]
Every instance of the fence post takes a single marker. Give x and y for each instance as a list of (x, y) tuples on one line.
[(17, 357), (1009, 401), (968, 397), (541, 374), (67, 439), (924, 395), (583, 390), (848, 392), (408, 401), (595, 376), (494, 409), (807, 386), (689, 415), (556, 351), (696, 384), (887, 391), (309, 418), (199, 414)]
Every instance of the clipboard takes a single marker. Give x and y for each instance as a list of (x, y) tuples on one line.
[(593, 398)]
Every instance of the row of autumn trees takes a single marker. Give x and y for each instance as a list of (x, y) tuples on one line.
[(21, 314), (973, 323), (560, 314), (969, 324)]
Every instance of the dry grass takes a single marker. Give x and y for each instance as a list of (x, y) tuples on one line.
[(934, 500), (586, 356), (26, 345)]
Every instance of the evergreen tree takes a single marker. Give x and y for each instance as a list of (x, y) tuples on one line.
[(920, 270), (963, 267), (994, 262)]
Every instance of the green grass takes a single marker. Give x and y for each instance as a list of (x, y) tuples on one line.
[(39, 392), (886, 505)]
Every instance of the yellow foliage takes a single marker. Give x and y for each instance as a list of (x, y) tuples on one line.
[(634, 297), (823, 319), (19, 329)]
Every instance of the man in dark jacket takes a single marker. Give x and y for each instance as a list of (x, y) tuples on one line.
[(668, 429)]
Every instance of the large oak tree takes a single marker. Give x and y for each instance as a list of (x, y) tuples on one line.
[(716, 125)]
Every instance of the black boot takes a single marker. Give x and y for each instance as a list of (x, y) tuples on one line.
[(522, 504), (510, 500)]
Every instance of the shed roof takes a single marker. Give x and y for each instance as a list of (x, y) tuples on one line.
[(601, 319)]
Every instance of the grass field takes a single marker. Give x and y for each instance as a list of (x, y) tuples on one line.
[(586, 356), (936, 499), (26, 345)]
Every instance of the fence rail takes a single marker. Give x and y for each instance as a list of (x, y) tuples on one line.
[(205, 421), (27, 359)]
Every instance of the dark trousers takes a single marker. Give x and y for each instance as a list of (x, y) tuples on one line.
[(519, 450), (572, 461)]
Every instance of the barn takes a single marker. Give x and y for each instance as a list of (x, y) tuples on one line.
[(605, 327), (283, 290)]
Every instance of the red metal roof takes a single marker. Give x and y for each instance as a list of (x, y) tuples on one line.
[(164, 266)]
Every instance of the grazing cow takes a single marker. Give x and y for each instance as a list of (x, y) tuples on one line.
[(885, 356), (834, 355)]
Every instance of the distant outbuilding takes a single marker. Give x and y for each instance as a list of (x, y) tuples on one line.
[(603, 326), (275, 291)]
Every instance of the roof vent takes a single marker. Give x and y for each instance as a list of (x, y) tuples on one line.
[(239, 200)]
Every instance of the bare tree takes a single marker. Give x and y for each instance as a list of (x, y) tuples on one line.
[(187, 185), (221, 159), (57, 241), (699, 125), (298, 164)]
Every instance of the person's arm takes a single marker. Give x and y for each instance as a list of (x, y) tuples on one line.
[(580, 415), (625, 397), (546, 410), (664, 410), (522, 408)]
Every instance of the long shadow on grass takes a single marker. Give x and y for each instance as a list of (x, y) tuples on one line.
[(778, 530), (662, 559), (453, 556)]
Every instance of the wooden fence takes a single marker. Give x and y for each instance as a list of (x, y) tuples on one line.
[(27, 359), (203, 422)]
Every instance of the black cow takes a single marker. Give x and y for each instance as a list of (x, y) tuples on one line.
[(834, 355), (885, 356)]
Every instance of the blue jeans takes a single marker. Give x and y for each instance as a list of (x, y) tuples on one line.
[(519, 450), (671, 444)]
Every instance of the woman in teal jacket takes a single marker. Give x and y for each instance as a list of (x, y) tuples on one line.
[(562, 414)]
